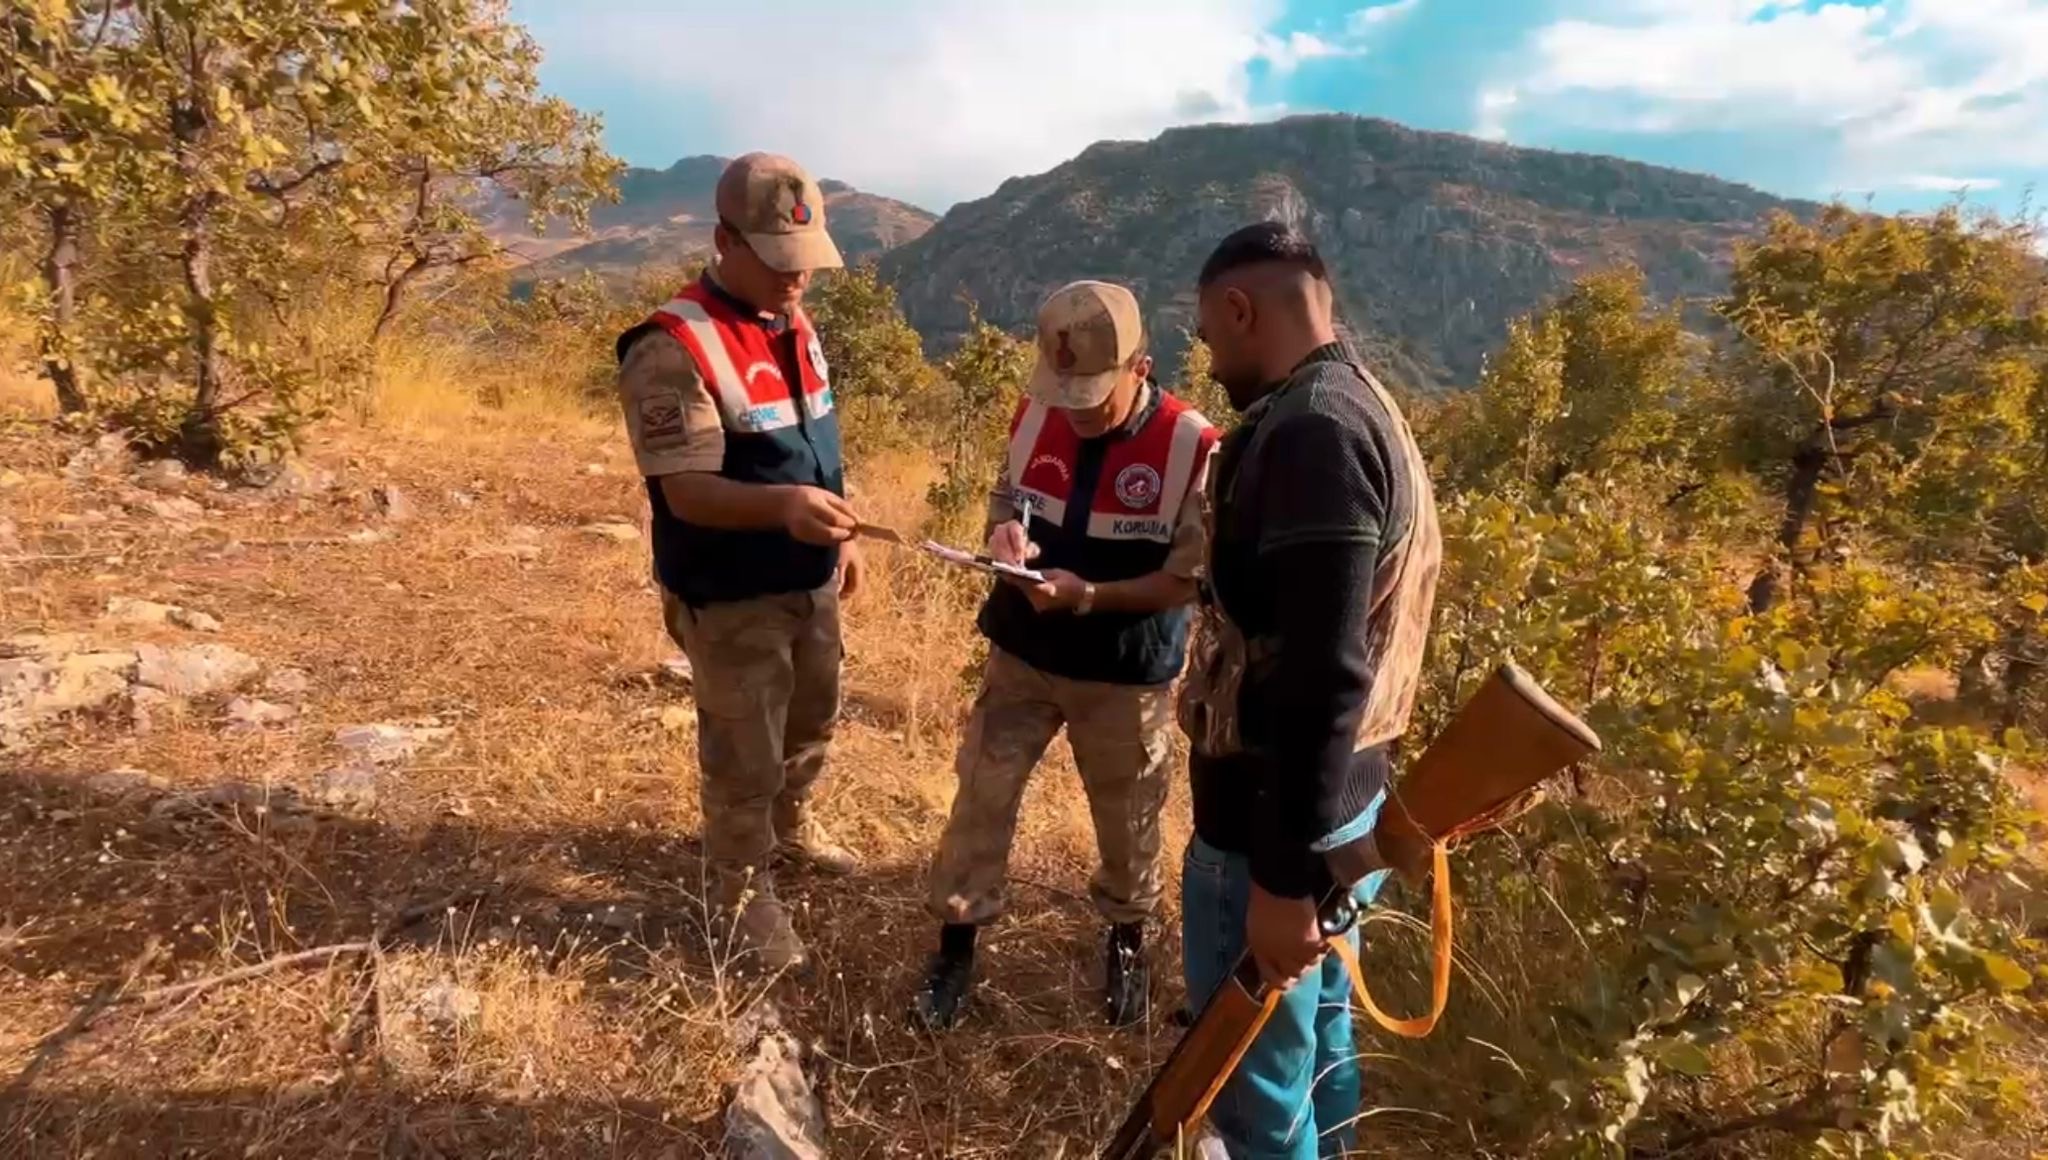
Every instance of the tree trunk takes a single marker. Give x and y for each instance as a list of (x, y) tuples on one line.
[(2023, 663), (59, 266), (1802, 491), (199, 436), (394, 294), (201, 432)]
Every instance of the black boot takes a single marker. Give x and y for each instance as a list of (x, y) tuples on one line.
[(1125, 974), (948, 977)]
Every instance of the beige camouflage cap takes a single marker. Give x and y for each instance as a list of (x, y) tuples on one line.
[(779, 210), (1088, 332)]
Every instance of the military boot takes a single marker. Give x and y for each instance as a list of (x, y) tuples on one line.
[(948, 977), (752, 927), (800, 837), (1125, 975)]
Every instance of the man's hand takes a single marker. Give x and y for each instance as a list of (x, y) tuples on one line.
[(816, 516), (1283, 936), (1060, 593), (851, 569), (1009, 544)]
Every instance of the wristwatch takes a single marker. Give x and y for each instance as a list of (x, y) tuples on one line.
[(1087, 601)]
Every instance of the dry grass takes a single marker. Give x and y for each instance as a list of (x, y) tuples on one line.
[(603, 1024), (564, 810)]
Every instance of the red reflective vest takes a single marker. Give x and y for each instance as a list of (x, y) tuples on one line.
[(776, 432), (1104, 509)]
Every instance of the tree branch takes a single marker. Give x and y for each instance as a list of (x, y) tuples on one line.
[(262, 184)]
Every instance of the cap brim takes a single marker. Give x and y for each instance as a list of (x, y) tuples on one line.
[(1073, 392), (791, 253)]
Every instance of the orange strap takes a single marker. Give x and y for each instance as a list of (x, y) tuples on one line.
[(1440, 975)]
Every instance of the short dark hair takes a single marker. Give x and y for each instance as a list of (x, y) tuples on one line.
[(1264, 242)]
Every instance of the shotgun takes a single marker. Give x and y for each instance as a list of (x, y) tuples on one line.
[(1482, 771)]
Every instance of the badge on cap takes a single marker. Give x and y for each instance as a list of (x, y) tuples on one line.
[(1063, 358), (800, 213)]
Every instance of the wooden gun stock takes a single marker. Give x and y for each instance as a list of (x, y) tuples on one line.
[(1481, 771)]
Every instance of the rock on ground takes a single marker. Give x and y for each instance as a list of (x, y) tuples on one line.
[(618, 533), (10, 537), (447, 1005), (392, 504), (162, 475), (246, 714), (351, 786), (124, 783), (198, 671), (774, 1113), (287, 683), (143, 705), (387, 743), (129, 610), (176, 509), (43, 678)]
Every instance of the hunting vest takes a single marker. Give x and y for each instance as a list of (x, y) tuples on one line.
[(776, 432), (1105, 510), (1404, 592)]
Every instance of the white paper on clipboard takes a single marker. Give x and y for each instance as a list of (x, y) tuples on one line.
[(980, 563)]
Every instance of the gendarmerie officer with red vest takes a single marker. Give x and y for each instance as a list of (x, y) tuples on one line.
[(1111, 469), (729, 405)]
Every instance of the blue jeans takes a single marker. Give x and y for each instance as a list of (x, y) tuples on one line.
[(1295, 1094)]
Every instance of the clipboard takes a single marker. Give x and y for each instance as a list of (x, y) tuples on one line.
[(980, 562), (952, 556)]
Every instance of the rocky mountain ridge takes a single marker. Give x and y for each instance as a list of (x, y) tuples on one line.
[(1436, 240)]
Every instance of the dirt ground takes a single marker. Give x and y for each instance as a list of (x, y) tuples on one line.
[(548, 990)]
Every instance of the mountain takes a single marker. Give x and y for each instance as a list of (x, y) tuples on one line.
[(1435, 240), (663, 215)]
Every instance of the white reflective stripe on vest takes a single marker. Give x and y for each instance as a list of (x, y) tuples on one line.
[(1180, 464), (1118, 526), (1022, 446), (728, 385)]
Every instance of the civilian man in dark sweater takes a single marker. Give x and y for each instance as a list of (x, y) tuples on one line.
[(1323, 557)]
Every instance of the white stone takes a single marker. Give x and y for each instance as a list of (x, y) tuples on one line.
[(447, 1005), (129, 610), (196, 621), (619, 533), (176, 509), (162, 475), (386, 743), (246, 714), (196, 671), (40, 688), (774, 1113), (347, 786), (287, 683)]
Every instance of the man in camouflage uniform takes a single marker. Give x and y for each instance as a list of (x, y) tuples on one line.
[(1106, 468), (729, 408), (1323, 559)]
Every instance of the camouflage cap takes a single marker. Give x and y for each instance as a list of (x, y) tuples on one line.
[(780, 212), (1088, 333)]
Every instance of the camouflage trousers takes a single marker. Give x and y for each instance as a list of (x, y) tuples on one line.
[(766, 677), (1119, 735)]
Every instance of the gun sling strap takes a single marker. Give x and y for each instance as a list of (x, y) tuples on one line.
[(1419, 1026)]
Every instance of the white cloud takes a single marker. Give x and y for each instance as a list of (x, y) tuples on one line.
[(930, 99), (1285, 53), (1904, 89), (1495, 105), (1365, 20), (1938, 183)]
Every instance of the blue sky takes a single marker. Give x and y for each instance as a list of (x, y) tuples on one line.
[(935, 101)]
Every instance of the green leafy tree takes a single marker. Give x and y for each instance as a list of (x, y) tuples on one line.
[(1595, 381), (65, 117), (984, 378), (880, 378), (1199, 387), (1887, 362)]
